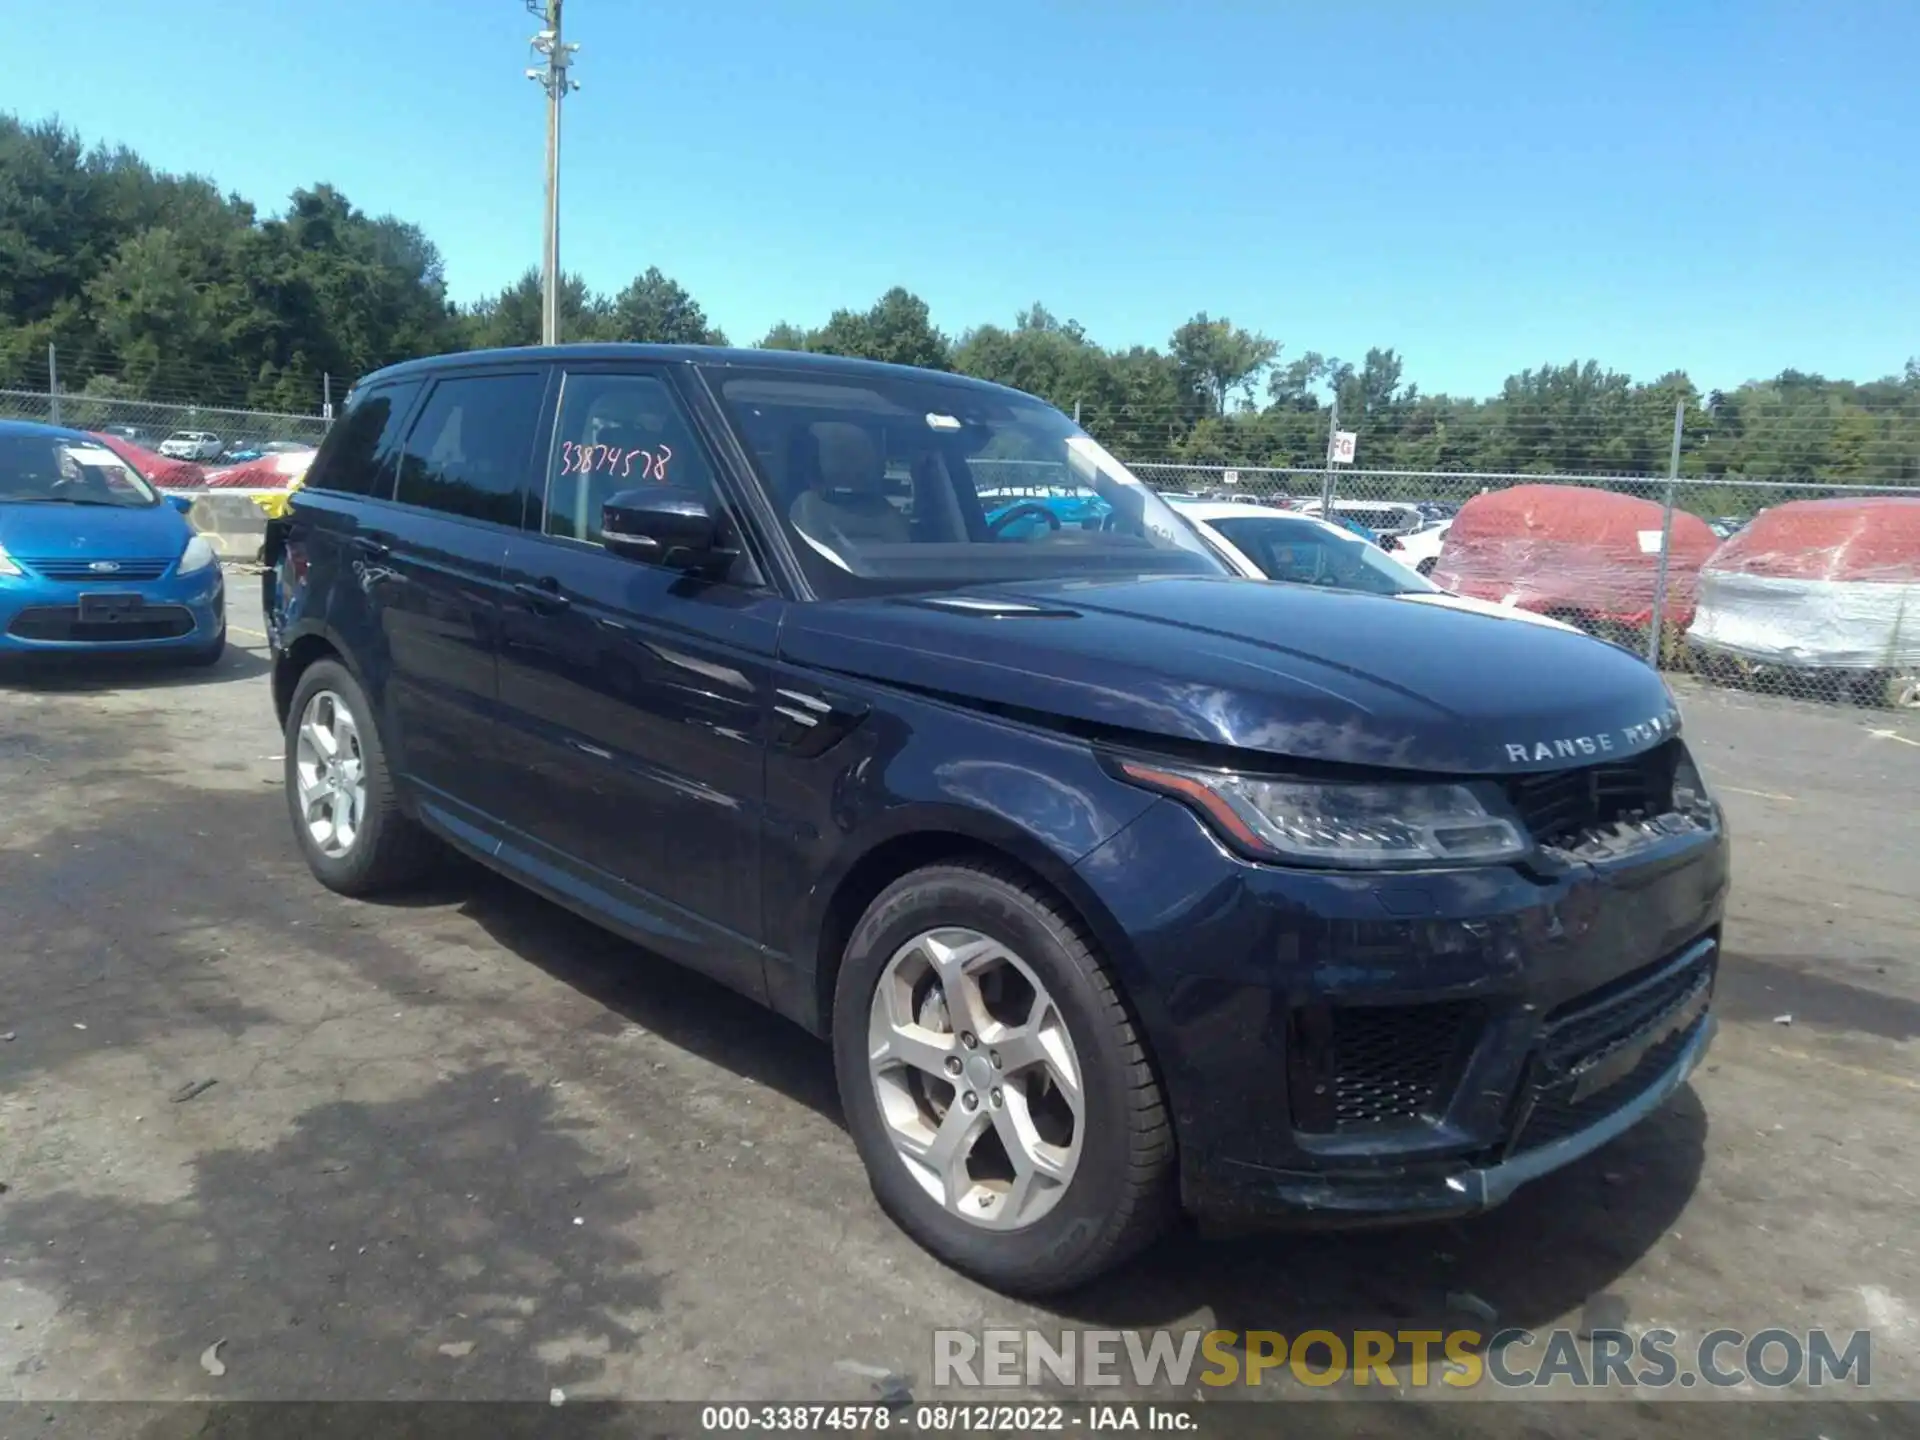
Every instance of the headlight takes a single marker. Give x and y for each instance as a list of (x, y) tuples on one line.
[(7, 565), (197, 556), (1331, 823)]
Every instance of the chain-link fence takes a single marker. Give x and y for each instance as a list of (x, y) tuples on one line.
[(1793, 587), (148, 423)]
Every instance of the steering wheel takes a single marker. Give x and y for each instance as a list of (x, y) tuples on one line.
[(1025, 507)]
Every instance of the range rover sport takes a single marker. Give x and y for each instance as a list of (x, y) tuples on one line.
[(1119, 885)]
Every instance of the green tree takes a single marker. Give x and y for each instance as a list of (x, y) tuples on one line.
[(512, 317), (1219, 361), (656, 310), (898, 329), (784, 336)]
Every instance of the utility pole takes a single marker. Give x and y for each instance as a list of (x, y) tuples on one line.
[(1326, 481), (552, 77)]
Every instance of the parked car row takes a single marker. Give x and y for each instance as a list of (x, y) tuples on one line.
[(1811, 594), (200, 447), (1821, 593)]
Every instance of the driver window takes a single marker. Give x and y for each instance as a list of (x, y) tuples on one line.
[(616, 432)]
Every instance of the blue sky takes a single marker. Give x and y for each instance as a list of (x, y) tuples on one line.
[(1731, 188)]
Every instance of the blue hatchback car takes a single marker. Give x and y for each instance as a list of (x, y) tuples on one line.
[(94, 559)]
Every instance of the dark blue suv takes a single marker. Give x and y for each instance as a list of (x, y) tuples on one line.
[(1119, 885)]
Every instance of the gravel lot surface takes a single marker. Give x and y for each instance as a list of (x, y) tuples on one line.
[(467, 1146)]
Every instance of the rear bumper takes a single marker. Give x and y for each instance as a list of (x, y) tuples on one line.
[(172, 613)]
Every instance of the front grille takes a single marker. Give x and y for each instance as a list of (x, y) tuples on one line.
[(63, 623), (1595, 1023), (1365, 1065), (1561, 806), (1555, 1116), (70, 569)]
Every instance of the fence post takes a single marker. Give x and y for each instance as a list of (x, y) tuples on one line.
[(53, 384), (1666, 539), (326, 397), (1326, 481)]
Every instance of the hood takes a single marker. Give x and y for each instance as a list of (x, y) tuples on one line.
[(1283, 670), (45, 532), (1447, 600)]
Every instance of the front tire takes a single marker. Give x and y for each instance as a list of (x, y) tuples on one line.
[(995, 1085), (341, 796)]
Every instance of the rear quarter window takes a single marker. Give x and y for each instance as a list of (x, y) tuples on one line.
[(360, 453)]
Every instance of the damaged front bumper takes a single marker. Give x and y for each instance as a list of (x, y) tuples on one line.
[(1244, 1192)]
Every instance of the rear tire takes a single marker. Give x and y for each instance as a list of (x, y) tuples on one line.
[(1116, 1153), (386, 848)]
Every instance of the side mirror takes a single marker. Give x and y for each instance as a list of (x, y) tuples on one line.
[(664, 525), (182, 503)]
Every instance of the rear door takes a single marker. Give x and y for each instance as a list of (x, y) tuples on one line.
[(636, 697), (463, 482)]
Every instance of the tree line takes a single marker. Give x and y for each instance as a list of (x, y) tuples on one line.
[(160, 286)]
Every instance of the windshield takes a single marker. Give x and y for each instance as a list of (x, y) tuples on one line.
[(1306, 552), (892, 484), (60, 469)]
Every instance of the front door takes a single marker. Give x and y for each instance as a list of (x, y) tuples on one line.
[(636, 697)]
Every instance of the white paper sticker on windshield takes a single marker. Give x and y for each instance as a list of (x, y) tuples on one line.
[(942, 422), (95, 455), (1649, 542)]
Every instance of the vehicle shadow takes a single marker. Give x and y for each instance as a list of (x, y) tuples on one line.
[(72, 674), (1560, 1242), (644, 989)]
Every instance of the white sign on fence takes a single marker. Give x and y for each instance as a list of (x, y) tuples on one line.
[(1344, 442), (1232, 477)]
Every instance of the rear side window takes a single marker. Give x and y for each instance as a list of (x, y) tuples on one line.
[(469, 453), (360, 453)]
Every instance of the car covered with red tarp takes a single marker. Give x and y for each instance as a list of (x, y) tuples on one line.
[(161, 470), (279, 471), (1585, 555), (1829, 585)]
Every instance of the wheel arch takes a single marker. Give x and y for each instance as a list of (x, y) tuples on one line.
[(297, 656), (957, 840)]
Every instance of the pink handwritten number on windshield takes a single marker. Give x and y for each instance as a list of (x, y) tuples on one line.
[(611, 460)]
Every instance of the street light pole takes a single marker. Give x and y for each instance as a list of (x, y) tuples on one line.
[(553, 77)]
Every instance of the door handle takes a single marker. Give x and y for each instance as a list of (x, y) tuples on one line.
[(542, 594), (367, 545)]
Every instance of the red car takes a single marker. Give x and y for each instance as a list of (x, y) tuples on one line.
[(161, 470), (1827, 588), (1587, 556)]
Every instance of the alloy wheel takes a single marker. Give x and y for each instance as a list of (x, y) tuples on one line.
[(330, 774), (979, 1088)]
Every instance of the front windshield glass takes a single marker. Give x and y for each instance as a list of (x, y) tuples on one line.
[(1306, 552), (895, 484), (61, 469)]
